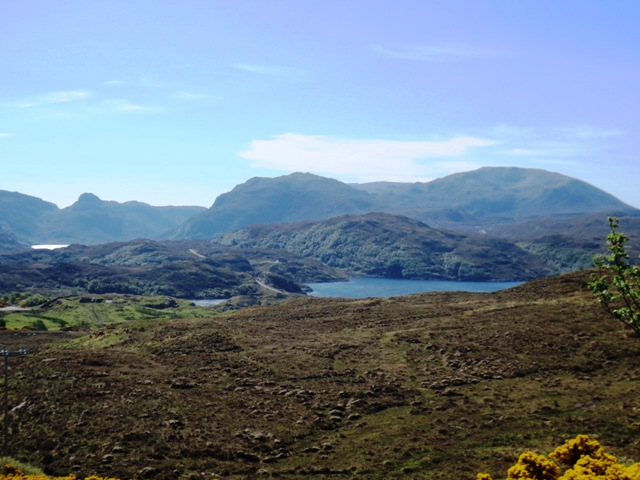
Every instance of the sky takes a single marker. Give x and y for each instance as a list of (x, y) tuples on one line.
[(174, 102)]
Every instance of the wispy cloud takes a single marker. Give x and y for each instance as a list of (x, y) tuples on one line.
[(438, 52), (523, 152), (363, 159), (7, 135), (559, 142), (68, 96), (52, 98), (183, 66), (270, 70), (143, 81), (74, 104), (191, 96), (506, 130), (151, 82), (124, 106), (589, 131), (575, 151), (114, 83)]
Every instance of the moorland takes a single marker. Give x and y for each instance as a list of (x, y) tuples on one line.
[(436, 385)]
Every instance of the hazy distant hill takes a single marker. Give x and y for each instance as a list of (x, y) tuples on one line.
[(92, 220), (387, 245), (470, 200), (494, 194), (569, 243), (89, 220), (590, 228), (22, 216), (8, 243)]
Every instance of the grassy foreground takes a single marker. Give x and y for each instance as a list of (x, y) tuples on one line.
[(432, 386)]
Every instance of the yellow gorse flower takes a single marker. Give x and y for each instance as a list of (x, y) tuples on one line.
[(584, 458), (11, 472), (533, 466)]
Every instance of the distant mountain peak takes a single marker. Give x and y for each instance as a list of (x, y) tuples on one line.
[(88, 198)]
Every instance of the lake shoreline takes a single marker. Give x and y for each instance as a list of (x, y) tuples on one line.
[(363, 287)]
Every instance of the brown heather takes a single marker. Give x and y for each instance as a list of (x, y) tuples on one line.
[(431, 386)]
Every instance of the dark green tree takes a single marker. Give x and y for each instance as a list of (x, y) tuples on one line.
[(617, 286)]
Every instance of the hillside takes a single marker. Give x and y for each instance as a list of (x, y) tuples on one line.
[(8, 243), (189, 270), (492, 195), (289, 198), (588, 230), (431, 386), (22, 215), (464, 201), (90, 220), (385, 245)]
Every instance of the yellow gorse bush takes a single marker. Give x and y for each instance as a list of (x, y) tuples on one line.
[(583, 458), (532, 465), (11, 472)]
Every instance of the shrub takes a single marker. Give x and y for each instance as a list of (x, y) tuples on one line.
[(583, 458), (38, 324), (12, 472), (618, 286), (33, 300), (24, 468), (531, 465)]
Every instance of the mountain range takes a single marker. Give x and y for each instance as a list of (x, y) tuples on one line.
[(464, 201), (470, 201), (500, 224), (27, 220)]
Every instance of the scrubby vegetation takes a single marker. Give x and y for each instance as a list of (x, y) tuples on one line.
[(432, 386), (581, 458), (189, 270), (393, 246), (86, 311), (618, 286), (13, 472), (23, 299), (10, 463)]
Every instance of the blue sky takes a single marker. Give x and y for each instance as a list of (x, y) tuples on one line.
[(175, 102)]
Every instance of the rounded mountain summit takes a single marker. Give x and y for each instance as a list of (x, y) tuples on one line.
[(469, 200)]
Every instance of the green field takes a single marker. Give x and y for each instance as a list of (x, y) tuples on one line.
[(100, 310)]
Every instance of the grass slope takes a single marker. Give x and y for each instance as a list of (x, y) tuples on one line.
[(100, 310), (433, 386)]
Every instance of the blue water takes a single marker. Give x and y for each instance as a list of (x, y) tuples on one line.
[(211, 302), (362, 287)]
